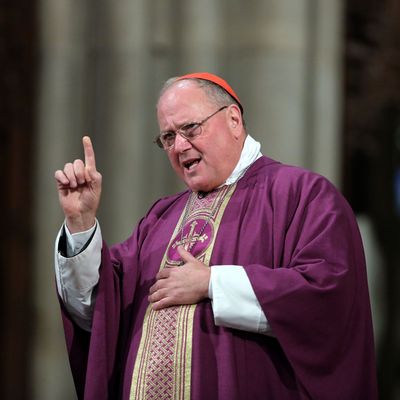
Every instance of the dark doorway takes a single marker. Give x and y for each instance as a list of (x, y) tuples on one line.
[(18, 76), (372, 153)]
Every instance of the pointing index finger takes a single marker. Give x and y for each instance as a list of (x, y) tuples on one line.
[(90, 160)]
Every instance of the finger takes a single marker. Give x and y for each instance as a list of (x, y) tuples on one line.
[(79, 169), (61, 179), (164, 273), (70, 174), (90, 160), (159, 305), (160, 281), (185, 255), (163, 303), (153, 288), (158, 295)]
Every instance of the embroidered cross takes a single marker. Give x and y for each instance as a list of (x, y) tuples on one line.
[(191, 238)]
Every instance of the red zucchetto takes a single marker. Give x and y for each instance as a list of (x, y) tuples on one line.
[(214, 79)]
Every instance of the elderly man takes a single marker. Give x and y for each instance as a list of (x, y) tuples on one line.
[(251, 284)]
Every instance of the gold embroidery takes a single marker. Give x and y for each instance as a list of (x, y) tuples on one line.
[(162, 368)]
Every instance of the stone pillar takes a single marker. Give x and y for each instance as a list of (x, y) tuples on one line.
[(121, 110), (283, 57), (324, 88), (61, 110), (202, 36)]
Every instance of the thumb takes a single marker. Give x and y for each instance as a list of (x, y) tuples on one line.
[(185, 255)]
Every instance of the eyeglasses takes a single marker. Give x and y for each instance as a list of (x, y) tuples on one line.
[(166, 140)]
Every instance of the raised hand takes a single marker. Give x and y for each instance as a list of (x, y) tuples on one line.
[(187, 284), (79, 190)]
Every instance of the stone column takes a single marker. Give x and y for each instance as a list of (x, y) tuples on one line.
[(61, 112), (283, 57)]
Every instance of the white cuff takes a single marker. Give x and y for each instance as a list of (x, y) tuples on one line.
[(76, 241), (234, 302), (76, 278)]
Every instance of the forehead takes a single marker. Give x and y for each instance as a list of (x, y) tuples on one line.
[(182, 102)]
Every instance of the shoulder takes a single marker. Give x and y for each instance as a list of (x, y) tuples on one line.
[(283, 181), (164, 204), (167, 208)]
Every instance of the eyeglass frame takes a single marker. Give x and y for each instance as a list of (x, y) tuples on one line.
[(181, 131)]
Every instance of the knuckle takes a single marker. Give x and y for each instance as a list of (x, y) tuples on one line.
[(174, 294), (165, 303), (167, 272)]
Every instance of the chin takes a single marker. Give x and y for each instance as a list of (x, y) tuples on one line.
[(199, 186)]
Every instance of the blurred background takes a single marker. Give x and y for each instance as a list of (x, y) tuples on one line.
[(320, 84)]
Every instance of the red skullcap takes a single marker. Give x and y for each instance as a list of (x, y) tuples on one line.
[(216, 80)]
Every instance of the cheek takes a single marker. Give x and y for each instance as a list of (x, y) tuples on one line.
[(173, 159), (220, 158), (215, 156)]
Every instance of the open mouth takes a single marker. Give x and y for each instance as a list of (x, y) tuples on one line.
[(190, 164)]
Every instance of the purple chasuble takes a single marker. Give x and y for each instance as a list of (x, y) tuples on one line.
[(298, 241)]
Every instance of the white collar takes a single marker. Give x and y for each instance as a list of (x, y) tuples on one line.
[(250, 153)]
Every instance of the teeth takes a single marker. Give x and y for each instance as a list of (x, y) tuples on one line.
[(191, 164)]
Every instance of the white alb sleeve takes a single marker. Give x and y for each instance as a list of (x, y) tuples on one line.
[(234, 302), (78, 275), (76, 241)]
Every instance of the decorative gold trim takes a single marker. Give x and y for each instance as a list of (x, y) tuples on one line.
[(164, 356)]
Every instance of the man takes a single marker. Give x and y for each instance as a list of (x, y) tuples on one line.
[(251, 284)]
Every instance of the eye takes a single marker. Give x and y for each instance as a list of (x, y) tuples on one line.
[(190, 130), (168, 138)]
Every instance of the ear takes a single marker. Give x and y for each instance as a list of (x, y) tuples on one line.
[(235, 120)]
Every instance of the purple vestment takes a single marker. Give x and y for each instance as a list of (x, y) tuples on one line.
[(298, 241)]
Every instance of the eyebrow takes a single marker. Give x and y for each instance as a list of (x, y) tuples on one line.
[(180, 127)]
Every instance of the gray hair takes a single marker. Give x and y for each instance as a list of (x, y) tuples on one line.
[(216, 94)]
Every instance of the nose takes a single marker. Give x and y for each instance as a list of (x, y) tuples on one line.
[(181, 144)]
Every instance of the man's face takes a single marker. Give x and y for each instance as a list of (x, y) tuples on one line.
[(208, 160)]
